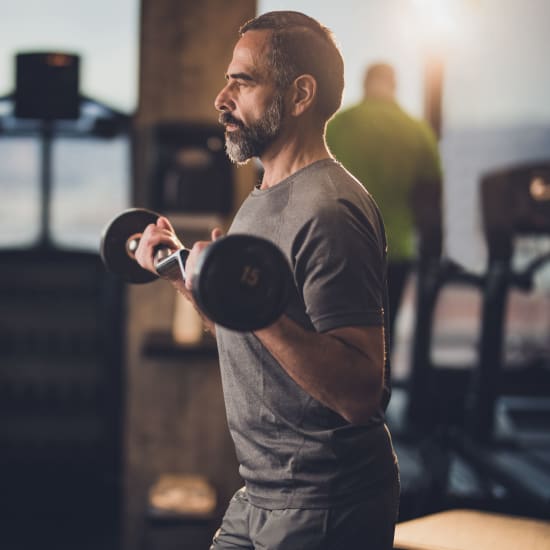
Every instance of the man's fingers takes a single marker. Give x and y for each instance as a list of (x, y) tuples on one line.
[(165, 234), (154, 236), (216, 233), (164, 223)]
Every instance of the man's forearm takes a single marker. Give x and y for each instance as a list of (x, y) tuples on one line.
[(179, 285), (343, 369)]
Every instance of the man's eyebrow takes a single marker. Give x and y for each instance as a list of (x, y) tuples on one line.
[(240, 76)]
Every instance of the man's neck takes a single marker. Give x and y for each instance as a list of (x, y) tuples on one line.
[(380, 95), (287, 157)]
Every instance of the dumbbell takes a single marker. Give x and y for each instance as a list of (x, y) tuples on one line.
[(241, 281)]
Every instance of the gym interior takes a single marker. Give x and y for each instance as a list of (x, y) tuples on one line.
[(113, 433)]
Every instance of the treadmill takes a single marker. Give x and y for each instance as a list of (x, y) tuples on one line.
[(506, 436)]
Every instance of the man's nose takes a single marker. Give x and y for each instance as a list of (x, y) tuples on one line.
[(223, 101)]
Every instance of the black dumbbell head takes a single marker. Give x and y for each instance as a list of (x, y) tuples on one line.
[(115, 241), (242, 282)]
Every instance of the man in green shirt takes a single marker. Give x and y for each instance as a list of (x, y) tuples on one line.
[(389, 152)]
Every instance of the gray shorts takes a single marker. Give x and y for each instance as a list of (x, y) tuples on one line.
[(367, 525)]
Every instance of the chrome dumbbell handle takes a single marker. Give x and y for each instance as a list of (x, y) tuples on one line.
[(171, 265)]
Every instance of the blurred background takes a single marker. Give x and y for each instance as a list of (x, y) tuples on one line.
[(112, 425)]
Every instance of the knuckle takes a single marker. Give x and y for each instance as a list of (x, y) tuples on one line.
[(198, 247)]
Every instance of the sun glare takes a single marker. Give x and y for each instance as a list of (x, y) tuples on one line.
[(441, 24)]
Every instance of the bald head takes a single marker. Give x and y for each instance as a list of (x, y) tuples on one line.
[(379, 82)]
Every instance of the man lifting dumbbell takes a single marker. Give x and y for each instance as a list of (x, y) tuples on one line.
[(305, 396), (162, 234), (240, 282)]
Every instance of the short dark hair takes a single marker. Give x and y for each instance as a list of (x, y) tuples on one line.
[(302, 45)]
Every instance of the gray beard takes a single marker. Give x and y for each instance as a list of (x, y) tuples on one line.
[(247, 142)]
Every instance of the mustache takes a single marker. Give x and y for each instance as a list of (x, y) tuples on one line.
[(228, 118)]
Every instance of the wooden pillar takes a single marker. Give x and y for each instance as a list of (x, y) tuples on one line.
[(185, 49), (175, 418), (433, 93)]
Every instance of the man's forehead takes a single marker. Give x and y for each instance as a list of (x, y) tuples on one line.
[(250, 54)]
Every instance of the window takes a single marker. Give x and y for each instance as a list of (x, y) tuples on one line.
[(90, 173), (19, 191)]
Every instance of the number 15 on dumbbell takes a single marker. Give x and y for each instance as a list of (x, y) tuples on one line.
[(241, 281)]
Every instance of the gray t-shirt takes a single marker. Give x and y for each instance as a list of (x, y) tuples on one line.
[(293, 451)]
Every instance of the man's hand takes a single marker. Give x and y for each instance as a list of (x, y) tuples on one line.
[(162, 234), (157, 235), (186, 288), (194, 254)]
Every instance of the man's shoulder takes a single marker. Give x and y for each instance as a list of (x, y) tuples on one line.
[(331, 190), (326, 179)]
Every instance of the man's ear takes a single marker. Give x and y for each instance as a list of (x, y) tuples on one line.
[(304, 93)]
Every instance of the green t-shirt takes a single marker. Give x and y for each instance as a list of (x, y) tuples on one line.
[(388, 151)]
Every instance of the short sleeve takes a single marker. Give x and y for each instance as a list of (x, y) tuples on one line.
[(340, 268)]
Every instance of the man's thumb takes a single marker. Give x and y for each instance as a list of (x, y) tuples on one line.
[(216, 233)]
